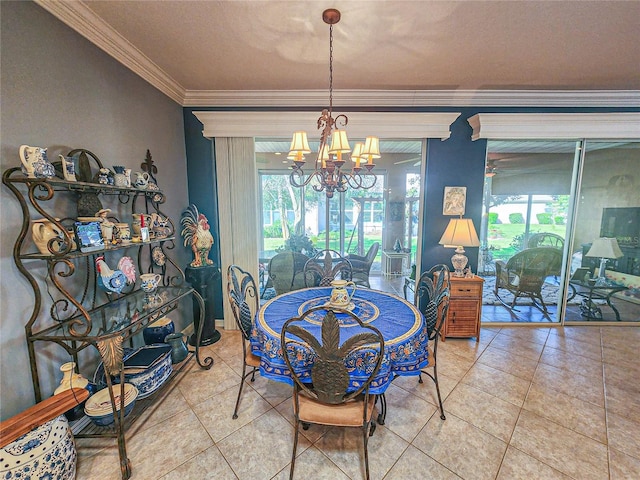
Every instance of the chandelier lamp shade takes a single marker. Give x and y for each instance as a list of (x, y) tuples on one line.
[(460, 233), (605, 248), (332, 173)]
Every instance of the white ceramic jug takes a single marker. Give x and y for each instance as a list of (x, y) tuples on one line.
[(35, 163), (340, 296), (141, 180), (44, 230)]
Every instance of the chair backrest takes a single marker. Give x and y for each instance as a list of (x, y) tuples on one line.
[(286, 271), (432, 295), (328, 381), (372, 252), (243, 297), (538, 262), (546, 239), (326, 266)]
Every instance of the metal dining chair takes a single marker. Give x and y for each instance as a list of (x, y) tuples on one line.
[(432, 299), (324, 267), (244, 299), (322, 396)]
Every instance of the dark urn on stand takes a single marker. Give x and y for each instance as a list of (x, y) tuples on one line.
[(201, 272)]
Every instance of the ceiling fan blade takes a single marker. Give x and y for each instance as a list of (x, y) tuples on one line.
[(409, 160)]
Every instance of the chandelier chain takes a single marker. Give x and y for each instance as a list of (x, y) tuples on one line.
[(330, 69), (328, 174)]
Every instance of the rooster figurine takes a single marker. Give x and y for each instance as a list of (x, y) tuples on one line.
[(197, 235), (113, 281)]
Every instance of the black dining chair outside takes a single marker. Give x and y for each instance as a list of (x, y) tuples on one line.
[(326, 266), (326, 400), (432, 295), (244, 299)]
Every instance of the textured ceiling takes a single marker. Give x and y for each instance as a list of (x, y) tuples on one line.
[(397, 45)]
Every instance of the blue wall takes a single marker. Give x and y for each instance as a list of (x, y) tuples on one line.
[(457, 161)]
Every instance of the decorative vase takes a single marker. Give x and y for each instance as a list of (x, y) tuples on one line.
[(157, 331), (179, 349), (71, 379), (47, 451)]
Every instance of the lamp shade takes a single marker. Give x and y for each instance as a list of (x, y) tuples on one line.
[(299, 143), (339, 142), (371, 147), (460, 232), (356, 155), (604, 247)]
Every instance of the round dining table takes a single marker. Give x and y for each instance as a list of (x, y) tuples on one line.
[(402, 326)]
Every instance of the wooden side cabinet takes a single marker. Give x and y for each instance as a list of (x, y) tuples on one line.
[(465, 308)]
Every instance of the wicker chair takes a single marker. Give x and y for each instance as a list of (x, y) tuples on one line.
[(328, 399), (326, 266), (545, 239), (525, 272), (362, 265), (243, 297), (286, 271)]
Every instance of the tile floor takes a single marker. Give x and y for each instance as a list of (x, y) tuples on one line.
[(522, 403)]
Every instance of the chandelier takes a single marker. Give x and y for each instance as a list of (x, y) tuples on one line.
[(330, 173)]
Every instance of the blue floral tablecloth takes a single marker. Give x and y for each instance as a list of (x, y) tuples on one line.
[(401, 324)]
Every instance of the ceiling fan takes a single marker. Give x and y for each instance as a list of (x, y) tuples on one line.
[(490, 170), (416, 160)]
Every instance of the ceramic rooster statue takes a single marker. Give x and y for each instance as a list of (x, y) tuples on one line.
[(113, 281), (197, 235)]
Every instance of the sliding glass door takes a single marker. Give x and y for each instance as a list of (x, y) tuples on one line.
[(351, 222), (604, 282), (524, 228), (579, 198)]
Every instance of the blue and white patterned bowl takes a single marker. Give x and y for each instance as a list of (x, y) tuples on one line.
[(149, 379), (47, 451), (99, 408)]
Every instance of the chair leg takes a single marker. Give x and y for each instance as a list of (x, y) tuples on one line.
[(383, 408), (295, 446), (245, 374), (365, 435), (434, 377), (235, 411), (435, 380)]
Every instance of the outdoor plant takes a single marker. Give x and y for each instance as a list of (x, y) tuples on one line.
[(516, 218), (299, 244), (493, 218), (544, 218)]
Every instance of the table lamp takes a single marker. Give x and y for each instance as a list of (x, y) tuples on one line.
[(460, 233), (605, 248)]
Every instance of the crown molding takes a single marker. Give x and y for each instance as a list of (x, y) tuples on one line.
[(83, 20), (553, 126), (413, 98), (283, 124)]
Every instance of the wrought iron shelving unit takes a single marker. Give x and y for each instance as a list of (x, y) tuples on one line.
[(82, 315)]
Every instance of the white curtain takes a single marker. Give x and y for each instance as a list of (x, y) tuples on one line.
[(238, 210)]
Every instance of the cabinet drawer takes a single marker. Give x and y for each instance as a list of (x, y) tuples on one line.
[(466, 290), (464, 309), (461, 329)]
